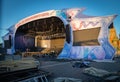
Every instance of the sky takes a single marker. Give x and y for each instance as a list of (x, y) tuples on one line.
[(12, 11)]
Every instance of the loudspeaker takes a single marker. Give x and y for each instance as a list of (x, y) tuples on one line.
[(68, 35)]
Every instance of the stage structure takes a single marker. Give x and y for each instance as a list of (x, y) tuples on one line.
[(75, 34)]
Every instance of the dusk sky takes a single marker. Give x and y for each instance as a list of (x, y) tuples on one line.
[(12, 11)]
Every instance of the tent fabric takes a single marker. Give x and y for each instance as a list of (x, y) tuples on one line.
[(96, 72)]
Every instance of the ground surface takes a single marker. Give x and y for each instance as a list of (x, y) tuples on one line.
[(63, 68)]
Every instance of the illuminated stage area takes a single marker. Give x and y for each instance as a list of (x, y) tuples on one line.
[(44, 35), (68, 33)]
